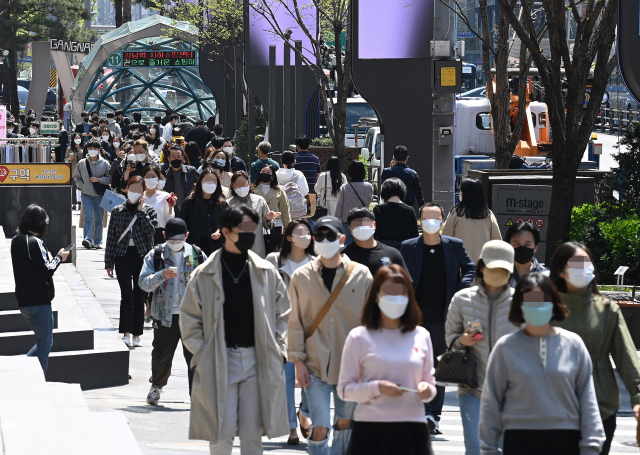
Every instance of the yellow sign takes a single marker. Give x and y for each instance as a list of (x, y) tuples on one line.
[(35, 174), (509, 222), (448, 76)]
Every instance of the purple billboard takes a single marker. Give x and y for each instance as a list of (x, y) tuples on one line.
[(262, 36), (389, 29)]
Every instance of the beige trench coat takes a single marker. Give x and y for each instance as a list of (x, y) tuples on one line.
[(202, 329)]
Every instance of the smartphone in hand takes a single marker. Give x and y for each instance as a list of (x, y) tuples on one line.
[(69, 247)]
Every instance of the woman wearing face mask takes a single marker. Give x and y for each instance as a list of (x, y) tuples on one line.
[(118, 149), (155, 140), (201, 210), (106, 144), (130, 237), (488, 304), (328, 185), (162, 202), (524, 237), (387, 368), (222, 159), (602, 327), (73, 155), (297, 250), (538, 393), (471, 220), (242, 194), (275, 196)]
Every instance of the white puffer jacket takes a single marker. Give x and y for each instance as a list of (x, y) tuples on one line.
[(473, 304)]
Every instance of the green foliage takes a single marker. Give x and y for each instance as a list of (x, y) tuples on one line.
[(242, 137), (626, 177), (322, 142)]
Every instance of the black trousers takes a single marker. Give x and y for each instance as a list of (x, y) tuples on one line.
[(539, 442), (128, 268), (436, 331), (165, 342), (609, 425), (390, 438)]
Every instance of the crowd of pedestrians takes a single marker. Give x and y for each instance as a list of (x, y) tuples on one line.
[(275, 275)]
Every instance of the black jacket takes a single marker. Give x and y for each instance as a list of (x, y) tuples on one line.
[(189, 177), (33, 269), (201, 136), (195, 219)]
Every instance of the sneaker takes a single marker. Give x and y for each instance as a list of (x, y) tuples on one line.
[(97, 247), (136, 342), (87, 244), (154, 395), (437, 431), (431, 424), (127, 340)]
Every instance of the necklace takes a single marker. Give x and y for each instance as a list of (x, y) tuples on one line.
[(235, 280)]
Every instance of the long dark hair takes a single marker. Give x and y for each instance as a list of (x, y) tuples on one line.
[(227, 166), (155, 141), (559, 260), (333, 167), (286, 245), (217, 196), (473, 204), (75, 146)]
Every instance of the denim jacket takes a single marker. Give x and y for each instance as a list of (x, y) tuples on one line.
[(164, 290)]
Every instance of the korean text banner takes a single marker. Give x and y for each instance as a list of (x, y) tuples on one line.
[(35, 174)]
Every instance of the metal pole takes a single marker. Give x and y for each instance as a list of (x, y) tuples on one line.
[(286, 98), (300, 105), (239, 92), (251, 126), (272, 92), (228, 111)]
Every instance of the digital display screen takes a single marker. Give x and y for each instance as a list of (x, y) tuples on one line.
[(261, 34), (389, 29), (159, 58)]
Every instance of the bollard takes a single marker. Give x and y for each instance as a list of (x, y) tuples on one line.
[(73, 250)]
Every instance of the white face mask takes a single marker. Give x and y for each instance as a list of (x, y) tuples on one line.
[(363, 233), (301, 241), (284, 175), (176, 245), (105, 138), (116, 144), (328, 249), (32, 130), (93, 153), (209, 187), (393, 306), (161, 184), (151, 183), (131, 158), (9, 130), (431, 226), (141, 156), (242, 191), (152, 131), (581, 278), (133, 197), (228, 149), (77, 141)]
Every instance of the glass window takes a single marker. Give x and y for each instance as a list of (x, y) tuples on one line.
[(483, 121)]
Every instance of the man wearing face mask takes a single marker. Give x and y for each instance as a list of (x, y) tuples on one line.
[(166, 273), (366, 250), (524, 237), (233, 318), (34, 129), (132, 165), (439, 267), (327, 297), (84, 128), (113, 126), (90, 172), (181, 177), (12, 131)]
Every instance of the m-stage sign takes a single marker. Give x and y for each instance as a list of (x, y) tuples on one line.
[(70, 46)]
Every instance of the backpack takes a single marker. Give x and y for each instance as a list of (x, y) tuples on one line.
[(297, 201), (158, 260)]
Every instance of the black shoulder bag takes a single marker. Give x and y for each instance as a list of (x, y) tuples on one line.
[(457, 368), (97, 186)]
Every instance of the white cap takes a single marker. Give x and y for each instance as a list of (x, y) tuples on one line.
[(497, 254)]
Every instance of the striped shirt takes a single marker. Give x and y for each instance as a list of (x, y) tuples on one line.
[(309, 165)]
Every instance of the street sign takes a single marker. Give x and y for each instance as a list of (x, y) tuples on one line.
[(466, 35), (25, 60), (35, 174), (479, 61), (153, 59), (115, 59), (49, 128)]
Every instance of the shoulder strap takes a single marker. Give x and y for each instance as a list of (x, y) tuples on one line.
[(279, 253), (158, 261), (332, 298), (133, 221), (86, 164), (361, 201), (199, 255), (325, 188)]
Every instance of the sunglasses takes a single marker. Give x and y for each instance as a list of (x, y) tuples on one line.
[(329, 235)]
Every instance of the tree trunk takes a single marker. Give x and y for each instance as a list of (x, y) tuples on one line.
[(118, 7), (126, 11), (10, 83), (343, 73)]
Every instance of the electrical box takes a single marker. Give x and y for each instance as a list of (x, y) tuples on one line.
[(445, 136), (440, 49), (597, 149), (460, 48), (447, 77)]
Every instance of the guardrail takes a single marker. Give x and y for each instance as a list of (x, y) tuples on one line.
[(614, 121)]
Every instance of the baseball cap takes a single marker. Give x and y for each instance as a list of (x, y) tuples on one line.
[(329, 222), (497, 254), (175, 227)]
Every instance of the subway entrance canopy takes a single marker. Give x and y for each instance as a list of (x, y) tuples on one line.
[(138, 68)]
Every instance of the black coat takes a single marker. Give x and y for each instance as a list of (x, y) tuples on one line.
[(189, 177), (33, 270), (196, 220)]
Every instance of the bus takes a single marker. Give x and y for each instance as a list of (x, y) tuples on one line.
[(469, 77)]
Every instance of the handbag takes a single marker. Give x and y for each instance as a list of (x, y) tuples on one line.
[(97, 186), (322, 210), (273, 240), (457, 368)]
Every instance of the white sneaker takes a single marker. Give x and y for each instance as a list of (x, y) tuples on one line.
[(154, 395), (136, 342), (127, 340)]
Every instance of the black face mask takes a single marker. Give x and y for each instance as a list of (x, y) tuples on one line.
[(245, 241), (264, 177), (523, 254), (86, 119), (176, 164)]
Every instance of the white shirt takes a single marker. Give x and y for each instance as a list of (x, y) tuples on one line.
[(159, 202), (157, 150), (177, 257), (167, 133)]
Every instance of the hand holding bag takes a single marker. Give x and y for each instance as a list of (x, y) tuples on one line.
[(457, 368)]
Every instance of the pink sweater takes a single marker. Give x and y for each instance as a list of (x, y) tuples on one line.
[(370, 356)]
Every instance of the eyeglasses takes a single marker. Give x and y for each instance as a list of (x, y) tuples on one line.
[(329, 235)]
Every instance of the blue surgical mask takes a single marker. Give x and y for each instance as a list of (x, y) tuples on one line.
[(220, 162), (538, 317)]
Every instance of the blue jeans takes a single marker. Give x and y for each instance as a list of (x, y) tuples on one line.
[(290, 375), (40, 317), (92, 212), (347, 232), (319, 401), (470, 413)]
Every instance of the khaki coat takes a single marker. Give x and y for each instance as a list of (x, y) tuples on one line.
[(202, 329)]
